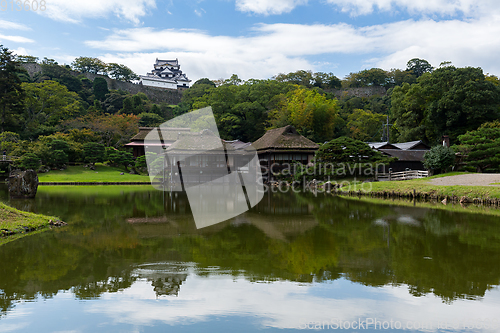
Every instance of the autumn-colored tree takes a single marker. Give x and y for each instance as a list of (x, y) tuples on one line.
[(311, 113), (114, 130)]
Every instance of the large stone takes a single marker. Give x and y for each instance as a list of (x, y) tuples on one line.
[(23, 185)]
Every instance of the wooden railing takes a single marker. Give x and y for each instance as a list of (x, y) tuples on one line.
[(403, 175), (8, 158)]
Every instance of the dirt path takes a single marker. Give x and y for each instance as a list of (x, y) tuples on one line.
[(480, 179)]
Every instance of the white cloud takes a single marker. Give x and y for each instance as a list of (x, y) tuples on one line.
[(75, 10), (20, 51), (268, 7), (285, 305), (15, 39), (13, 25), (471, 8), (277, 48), (441, 7)]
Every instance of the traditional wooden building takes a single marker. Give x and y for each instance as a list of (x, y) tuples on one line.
[(169, 136), (410, 154), (279, 148)]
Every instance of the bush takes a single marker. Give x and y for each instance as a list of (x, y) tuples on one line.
[(141, 165), (439, 158), (59, 158), (29, 161)]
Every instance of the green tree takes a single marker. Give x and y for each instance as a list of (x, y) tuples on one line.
[(47, 104), (447, 101), (121, 72), (100, 88), (348, 150), (366, 78), (241, 110), (119, 157), (9, 141), (11, 91), (89, 64), (204, 81), (418, 67), (149, 119), (364, 125), (300, 77), (26, 59), (29, 161), (481, 147), (94, 152), (439, 158)]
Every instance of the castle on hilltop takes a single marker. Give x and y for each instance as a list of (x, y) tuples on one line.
[(166, 74)]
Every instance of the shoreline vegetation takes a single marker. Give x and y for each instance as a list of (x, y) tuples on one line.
[(15, 224), (422, 189)]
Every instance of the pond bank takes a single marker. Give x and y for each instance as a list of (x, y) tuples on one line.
[(15, 224)]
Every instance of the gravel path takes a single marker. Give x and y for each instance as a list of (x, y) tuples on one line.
[(478, 179)]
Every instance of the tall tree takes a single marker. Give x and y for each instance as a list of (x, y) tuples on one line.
[(312, 114), (48, 103), (121, 72), (100, 88), (481, 147), (11, 91), (448, 101), (418, 67), (89, 64), (365, 125)]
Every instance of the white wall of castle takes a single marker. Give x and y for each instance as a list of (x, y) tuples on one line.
[(158, 84)]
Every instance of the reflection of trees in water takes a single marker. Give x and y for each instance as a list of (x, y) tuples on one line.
[(451, 255)]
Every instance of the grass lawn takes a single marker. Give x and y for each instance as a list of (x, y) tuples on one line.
[(100, 174), (16, 221), (422, 185)]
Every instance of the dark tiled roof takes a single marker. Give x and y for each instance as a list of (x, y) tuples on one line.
[(410, 145), (168, 134), (405, 155), (284, 138), (382, 145)]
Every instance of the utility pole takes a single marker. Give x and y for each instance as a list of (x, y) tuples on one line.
[(387, 129)]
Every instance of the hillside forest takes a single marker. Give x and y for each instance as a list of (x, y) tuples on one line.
[(58, 114)]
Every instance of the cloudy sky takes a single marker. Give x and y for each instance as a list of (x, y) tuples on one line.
[(259, 38)]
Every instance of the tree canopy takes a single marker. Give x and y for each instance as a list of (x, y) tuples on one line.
[(447, 101)]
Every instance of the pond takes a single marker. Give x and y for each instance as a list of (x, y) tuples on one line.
[(132, 260)]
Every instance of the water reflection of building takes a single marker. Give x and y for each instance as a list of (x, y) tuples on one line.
[(166, 279), (275, 215), (169, 285)]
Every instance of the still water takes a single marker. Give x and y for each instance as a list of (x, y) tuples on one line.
[(132, 260)]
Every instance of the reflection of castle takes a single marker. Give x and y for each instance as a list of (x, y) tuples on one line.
[(169, 285), (165, 278)]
